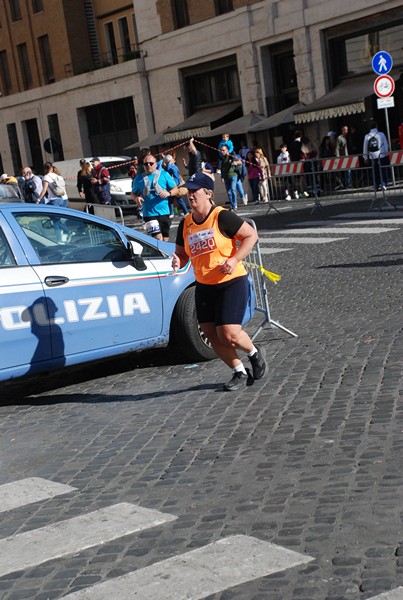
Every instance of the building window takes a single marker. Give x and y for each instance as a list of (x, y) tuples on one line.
[(15, 10), (284, 76), (37, 6), (24, 66), (5, 73), (219, 84), (46, 59), (351, 51), (111, 43), (14, 147), (180, 13), (124, 36), (223, 6), (54, 132)]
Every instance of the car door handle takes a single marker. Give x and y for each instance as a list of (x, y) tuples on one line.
[(55, 280)]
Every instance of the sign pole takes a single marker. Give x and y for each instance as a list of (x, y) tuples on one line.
[(390, 146)]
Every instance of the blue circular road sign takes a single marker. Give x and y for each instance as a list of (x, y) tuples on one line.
[(382, 62)]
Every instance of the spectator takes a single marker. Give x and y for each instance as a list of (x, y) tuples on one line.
[(132, 172), (84, 185), (194, 163), (227, 142), (308, 156), (12, 181), (254, 175), (101, 181), (342, 146), (48, 194), (229, 176), (264, 176), (31, 188), (295, 147), (282, 159), (376, 151), (168, 163), (326, 151)]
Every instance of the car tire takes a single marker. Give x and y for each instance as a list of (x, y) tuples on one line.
[(186, 337)]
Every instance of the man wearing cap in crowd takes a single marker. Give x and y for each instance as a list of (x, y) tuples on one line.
[(150, 191), (216, 241), (101, 181)]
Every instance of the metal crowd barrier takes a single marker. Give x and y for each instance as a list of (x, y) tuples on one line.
[(342, 177), (255, 269), (107, 211)]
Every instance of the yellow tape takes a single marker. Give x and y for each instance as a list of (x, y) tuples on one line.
[(269, 274)]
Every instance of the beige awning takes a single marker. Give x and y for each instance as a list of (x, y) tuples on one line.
[(238, 126), (201, 122), (155, 139), (279, 118), (347, 98)]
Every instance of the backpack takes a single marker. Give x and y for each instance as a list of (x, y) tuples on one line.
[(59, 186), (30, 190), (373, 145)]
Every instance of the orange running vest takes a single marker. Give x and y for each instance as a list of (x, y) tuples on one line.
[(208, 248)]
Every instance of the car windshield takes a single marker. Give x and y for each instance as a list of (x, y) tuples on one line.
[(117, 170)]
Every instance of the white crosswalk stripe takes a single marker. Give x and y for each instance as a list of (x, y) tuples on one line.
[(199, 573), (396, 594), (30, 490), (336, 229), (195, 574), (345, 221), (300, 240), (35, 547)]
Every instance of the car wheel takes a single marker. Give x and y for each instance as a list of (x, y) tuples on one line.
[(186, 336)]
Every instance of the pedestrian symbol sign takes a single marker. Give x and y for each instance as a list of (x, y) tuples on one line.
[(382, 63)]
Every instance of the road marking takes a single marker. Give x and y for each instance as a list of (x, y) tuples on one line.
[(327, 229), (273, 250), (30, 490), (345, 221), (35, 547), (396, 594), (299, 240), (396, 212), (198, 573)]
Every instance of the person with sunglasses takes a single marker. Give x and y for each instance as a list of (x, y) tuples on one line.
[(151, 190)]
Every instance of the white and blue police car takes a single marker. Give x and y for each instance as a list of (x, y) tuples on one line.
[(77, 288)]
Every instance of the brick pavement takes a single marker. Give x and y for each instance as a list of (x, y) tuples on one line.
[(309, 459)]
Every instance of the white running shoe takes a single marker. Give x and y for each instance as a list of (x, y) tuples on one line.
[(296, 195), (288, 197)]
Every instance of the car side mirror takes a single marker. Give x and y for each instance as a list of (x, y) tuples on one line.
[(135, 250)]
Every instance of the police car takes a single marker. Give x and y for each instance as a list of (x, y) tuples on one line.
[(77, 288)]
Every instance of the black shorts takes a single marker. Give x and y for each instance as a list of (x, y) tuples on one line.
[(164, 223), (223, 303)]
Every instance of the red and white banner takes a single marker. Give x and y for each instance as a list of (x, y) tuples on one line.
[(396, 158), (288, 169), (339, 164)]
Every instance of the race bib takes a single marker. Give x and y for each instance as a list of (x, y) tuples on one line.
[(202, 242)]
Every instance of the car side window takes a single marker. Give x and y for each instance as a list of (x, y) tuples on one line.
[(65, 239), (149, 251), (6, 256)]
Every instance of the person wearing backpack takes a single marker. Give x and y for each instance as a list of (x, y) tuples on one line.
[(31, 186), (53, 190), (376, 151)]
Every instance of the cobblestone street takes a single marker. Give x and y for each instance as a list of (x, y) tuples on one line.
[(308, 460)]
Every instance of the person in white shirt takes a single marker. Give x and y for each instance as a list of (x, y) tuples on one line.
[(282, 159), (376, 150)]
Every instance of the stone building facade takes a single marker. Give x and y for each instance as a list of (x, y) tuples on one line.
[(179, 67)]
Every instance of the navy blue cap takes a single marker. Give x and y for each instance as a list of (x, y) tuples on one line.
[(198, 181)]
